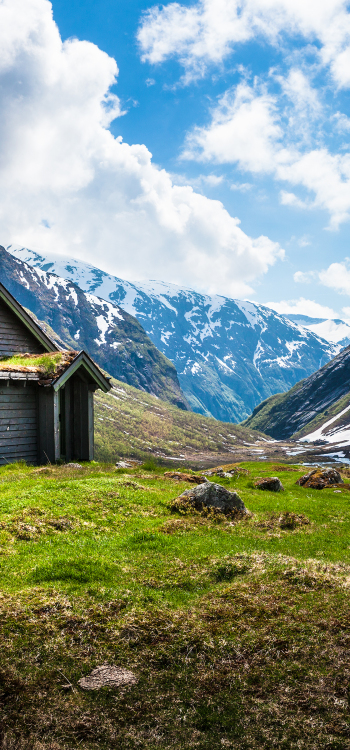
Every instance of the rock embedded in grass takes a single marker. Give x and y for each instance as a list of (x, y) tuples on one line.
[(272, 484), (181, 476), (318, 479), (107, 676), (210, 495)]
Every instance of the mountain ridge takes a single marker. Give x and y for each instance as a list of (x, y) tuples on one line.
[(229, 354), (299, 413)]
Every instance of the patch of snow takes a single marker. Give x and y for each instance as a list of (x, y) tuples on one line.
[(333, 437), (103, 326)]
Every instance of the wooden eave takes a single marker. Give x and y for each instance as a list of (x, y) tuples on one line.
[(27, 320), (19, 375), (82, 360)]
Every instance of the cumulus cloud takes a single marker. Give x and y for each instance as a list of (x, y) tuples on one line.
[(68, 185), (302, 306), (243, 129), (337, 277), (206, 32), (246, 130)]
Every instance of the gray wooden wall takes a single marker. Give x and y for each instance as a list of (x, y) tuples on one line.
[(18, 422), (14, 336)]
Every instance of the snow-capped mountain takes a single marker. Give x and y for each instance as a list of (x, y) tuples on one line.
[(229, 354), (115, 339), (335, 331), (317, 409)]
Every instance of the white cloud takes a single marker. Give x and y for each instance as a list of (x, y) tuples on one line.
[(299, 90), (341, 122), (304, 241), (245, 129), (305, 277), (206, 32), (302, 306), (243, 187), (290, 199), (67, 185), (336, 276)]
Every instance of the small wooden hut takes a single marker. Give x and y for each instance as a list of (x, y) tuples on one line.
[(46, 403)]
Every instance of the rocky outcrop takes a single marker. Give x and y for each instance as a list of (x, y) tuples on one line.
[(318, 479), (113, 338)]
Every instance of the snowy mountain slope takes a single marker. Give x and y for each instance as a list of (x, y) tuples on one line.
[(229, 354), (335, 331), (307, 410), (115, 340)]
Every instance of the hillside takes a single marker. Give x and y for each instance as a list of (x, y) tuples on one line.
[(308, 405), (129, 423), (112, 337), (229, 354)]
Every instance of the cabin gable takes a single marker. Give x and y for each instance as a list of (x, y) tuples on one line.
[(15, 337)]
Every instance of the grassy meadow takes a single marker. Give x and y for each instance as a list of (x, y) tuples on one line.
[(237, 629)]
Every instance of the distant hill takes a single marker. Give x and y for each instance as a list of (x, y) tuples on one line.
[(316, 408), (229, 354), (115, 339)]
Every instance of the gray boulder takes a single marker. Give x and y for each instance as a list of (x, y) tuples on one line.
[(272, 484), (210, 495)]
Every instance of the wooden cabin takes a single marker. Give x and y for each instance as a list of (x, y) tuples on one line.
[(46, 412)]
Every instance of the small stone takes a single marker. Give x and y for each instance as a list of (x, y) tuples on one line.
[(123, 465), (210, 495), (107, 676), (73, 466), (272, 484)]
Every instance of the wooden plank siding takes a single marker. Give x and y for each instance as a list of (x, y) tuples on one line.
[(18, 423), (15, 338)]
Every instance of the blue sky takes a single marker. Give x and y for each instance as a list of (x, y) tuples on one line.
[(246, 105)]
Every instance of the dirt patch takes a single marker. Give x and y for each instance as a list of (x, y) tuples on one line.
[(287, 521), (134, 485), (30, 525), (182, 477)]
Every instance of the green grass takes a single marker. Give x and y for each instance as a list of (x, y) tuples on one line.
[(48, 363), (237, 631)]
